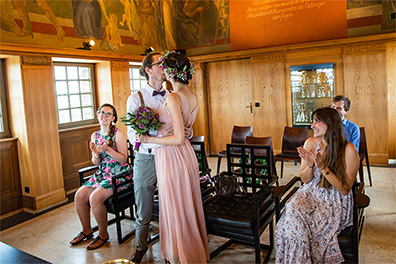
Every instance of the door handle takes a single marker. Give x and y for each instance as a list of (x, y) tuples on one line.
[(251, 107)]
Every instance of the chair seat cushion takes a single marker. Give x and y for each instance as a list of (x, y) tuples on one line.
[(125, 200), (234, 217)]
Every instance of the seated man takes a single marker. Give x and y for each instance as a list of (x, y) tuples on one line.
[(342, 104)]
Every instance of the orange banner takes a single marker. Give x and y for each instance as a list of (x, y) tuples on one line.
[(266, 23)]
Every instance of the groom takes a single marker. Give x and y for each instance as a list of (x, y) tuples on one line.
[(144, 174)]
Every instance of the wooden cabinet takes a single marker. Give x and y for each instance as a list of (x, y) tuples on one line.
[(312, 87)]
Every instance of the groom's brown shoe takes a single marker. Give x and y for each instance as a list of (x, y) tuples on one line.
[(138, 255)]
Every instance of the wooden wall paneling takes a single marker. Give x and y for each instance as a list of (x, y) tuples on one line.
[(34, 122), (268, 82), (365, 85), (11, 193), (75, 154), (103, 83), (121, 89), (17, 117), (391, 77), (229, 97), (42, 127), (197, 84)]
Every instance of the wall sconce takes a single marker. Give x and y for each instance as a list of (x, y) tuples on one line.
[(87, 45)]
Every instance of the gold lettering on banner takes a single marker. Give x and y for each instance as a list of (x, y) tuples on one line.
[(281, 10), (36, 60), (268, 58), (119, 65), (361, 49)]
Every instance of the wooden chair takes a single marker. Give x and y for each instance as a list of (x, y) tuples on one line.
[(119, 202), (363, 154), (349, 238), (198, 144), (239, 134), (279, 191), (293, 137), (265, 141), (241, 218)]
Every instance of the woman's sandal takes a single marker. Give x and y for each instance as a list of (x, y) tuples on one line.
[(90, 245), (80, 238)]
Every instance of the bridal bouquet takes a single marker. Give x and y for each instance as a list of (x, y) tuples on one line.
[(142, 120)]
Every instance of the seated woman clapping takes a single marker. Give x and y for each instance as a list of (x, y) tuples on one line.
[(323, 206), (109, 151)]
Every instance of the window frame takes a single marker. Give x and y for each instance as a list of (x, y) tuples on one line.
[(142, 79), (82, 123), (3, 101)]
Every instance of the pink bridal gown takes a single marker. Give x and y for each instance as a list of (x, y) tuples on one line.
[(183, 237)]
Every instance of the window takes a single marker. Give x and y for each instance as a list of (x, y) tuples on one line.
[(137, 81), (4, 128), (75, 97)]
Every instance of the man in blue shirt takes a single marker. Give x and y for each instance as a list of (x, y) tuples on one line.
[(342, 104)]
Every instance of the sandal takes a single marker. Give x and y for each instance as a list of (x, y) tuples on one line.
[(90, 245), (80, 238)]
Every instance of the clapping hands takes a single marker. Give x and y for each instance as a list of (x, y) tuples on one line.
[(101, 147), (312, 158), (307, 155)]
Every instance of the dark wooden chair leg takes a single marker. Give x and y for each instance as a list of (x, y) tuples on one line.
[(281, 168), (361, 176), (218, 163), (368, 169)]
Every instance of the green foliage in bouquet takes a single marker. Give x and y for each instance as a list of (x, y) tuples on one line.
[(142, 120)]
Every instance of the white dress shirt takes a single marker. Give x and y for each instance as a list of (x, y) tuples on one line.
[(154, 102)]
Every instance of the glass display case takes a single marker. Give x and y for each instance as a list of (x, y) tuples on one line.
[(312, 87)]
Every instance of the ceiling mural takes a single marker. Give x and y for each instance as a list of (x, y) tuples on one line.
[(201, 27), (116, 25)]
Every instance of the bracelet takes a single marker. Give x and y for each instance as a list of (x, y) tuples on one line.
[(327, 172), (310, 166), (96, 157)]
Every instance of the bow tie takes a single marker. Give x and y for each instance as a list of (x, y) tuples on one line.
[(155, 92)]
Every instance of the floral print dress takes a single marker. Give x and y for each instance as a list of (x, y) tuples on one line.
[(308, 229), (108, 167)]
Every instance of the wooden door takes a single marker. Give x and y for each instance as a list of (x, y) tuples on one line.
[(229, 100)]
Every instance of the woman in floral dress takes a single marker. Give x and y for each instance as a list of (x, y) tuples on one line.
[(110, 153), (323, 206)]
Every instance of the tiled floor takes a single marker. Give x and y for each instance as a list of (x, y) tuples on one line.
[(47, 236)]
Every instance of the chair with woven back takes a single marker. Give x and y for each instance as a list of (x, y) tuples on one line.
[(198, 144), (293, 137), (281, 193), (238, 136), (243, 218), (363, 154), (123, 198)]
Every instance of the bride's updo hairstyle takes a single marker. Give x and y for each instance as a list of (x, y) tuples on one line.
[(177, 66)]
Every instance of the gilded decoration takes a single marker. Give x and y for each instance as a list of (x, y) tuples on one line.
[(119, 65), (268, 58), (362, 49), (36, 60)]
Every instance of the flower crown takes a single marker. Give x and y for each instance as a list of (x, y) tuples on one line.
[(174, 72)]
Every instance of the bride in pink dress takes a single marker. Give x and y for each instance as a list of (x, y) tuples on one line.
[(183, 237)]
